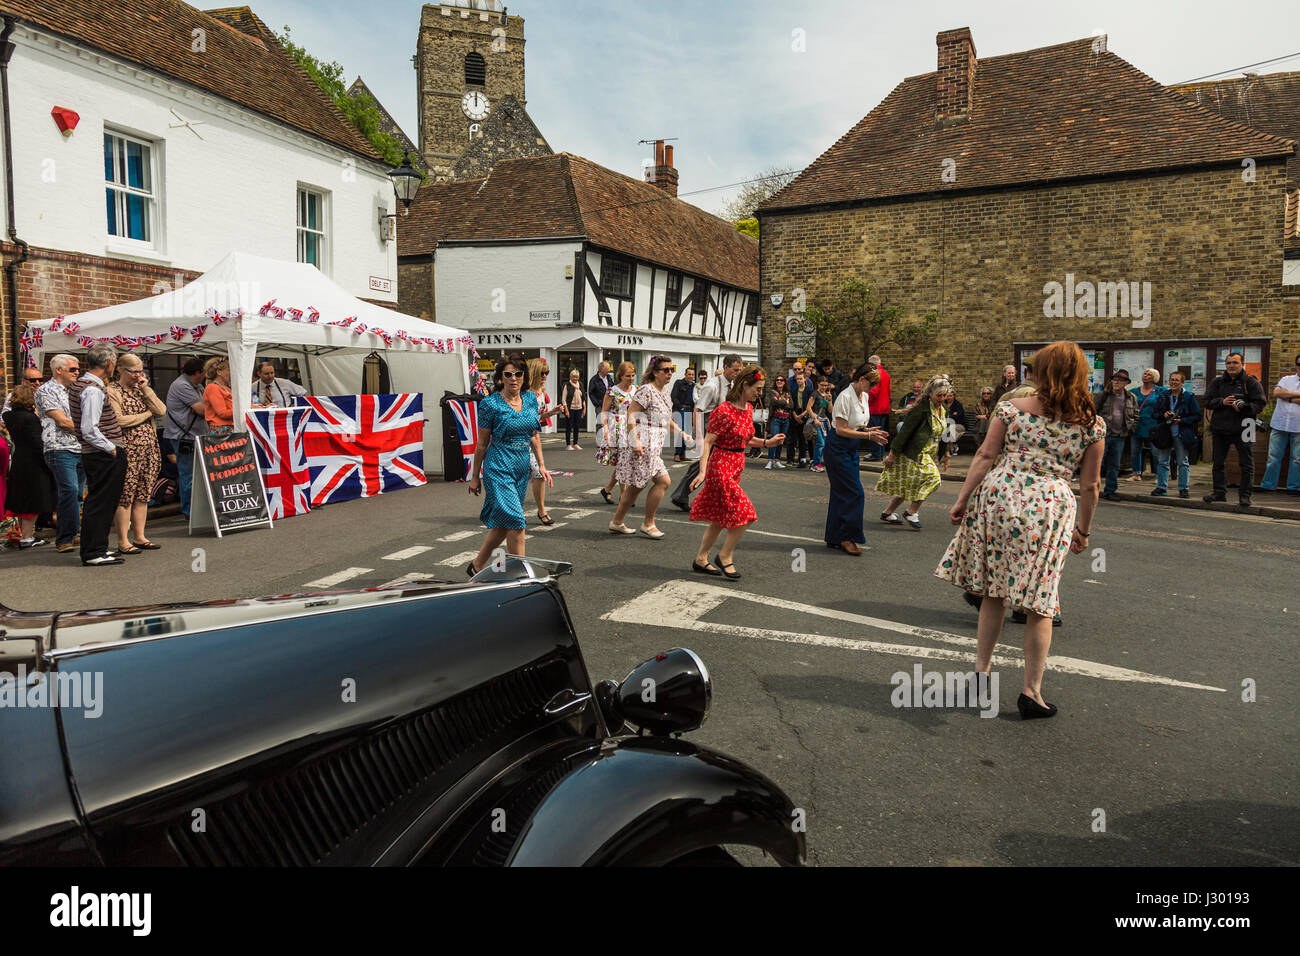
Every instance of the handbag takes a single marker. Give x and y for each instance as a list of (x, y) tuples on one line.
[(810, 430), (1162, 436)]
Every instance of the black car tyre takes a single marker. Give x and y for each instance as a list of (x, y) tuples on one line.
[(709, 856)]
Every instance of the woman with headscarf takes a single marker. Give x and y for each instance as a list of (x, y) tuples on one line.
[(916, 455)]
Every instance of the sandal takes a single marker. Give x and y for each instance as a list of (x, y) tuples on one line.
[(129, 550), (545, 518), (147, 545)]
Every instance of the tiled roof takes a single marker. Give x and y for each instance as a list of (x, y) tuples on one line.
[(1269, 103), (241, 61), (1058, 112), (562, 195)]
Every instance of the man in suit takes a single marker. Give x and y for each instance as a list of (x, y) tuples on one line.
[(600, 383)]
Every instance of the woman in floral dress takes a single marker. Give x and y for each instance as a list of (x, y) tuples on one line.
[(136, 406), (640, 461), (1017, 515), (723, 503), (613, 414), (912, 465)]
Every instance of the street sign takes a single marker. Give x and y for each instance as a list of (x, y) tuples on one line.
[(228, 490)]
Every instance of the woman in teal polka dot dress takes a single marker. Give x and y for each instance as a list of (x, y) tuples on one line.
[(1016, 514)]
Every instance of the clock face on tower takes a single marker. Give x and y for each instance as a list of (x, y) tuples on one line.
[(475, 105)]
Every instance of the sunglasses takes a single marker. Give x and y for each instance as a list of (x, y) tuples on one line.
[(512, 374), (666, 368)]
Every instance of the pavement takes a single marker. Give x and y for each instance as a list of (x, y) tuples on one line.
[(1175, 741)]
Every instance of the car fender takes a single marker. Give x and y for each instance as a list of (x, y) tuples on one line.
[(645, 801)]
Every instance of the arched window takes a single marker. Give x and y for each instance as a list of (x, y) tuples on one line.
[(475, 70)]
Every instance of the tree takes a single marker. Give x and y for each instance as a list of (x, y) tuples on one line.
[(859, 314), (765, 183), (361, 110), (748, 226)]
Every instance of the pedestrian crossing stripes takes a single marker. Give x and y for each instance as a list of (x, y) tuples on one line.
[(338, 577), (465, 557), (460, 536), (407, 553)]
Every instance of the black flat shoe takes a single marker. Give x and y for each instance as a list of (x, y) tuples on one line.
[(605, 494), (545, 518), (470, 572), (1030, 708), (705, 569), (733, 574)]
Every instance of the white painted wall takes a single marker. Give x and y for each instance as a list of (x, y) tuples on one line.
[(496, 287), (234, 189)]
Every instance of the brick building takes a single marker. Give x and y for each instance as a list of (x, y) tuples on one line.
[(1054, 193), (175, 154)]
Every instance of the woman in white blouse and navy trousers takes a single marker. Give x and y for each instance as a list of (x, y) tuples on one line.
[(850, 416)]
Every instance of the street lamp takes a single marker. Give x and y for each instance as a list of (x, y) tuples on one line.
[(406, 180)]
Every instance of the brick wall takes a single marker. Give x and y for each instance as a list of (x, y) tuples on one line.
[(1209, 244), (415, 289), (54, 283)]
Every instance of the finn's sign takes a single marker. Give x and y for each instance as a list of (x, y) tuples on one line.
[(228, 490)]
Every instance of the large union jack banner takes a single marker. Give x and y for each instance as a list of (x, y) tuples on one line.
[(358, 446), (278, 437)]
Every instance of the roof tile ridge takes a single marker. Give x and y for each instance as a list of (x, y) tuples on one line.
[(1180, 101), (575, 208)]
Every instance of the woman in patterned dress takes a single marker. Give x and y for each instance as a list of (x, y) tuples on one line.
[(613, 414), (508, 426), (538, 372), (136, 406), (723, 503), (912, 465), (640, 460), (1017, 516)]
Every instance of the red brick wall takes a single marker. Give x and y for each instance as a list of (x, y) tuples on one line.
[(54, 283)]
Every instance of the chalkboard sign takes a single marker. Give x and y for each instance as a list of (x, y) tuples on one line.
[(228, 491)]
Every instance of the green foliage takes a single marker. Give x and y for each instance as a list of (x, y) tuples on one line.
[(748, 226), (860, 315), (766, 183), (361, 111)]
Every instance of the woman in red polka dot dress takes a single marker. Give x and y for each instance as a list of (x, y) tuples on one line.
[(722, 503)]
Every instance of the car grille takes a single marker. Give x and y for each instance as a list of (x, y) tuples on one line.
[(495, 850), (301, 817)]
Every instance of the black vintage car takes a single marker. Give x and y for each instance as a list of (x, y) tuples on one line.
[(429, 724)]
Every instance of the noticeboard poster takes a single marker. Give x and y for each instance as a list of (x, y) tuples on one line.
[(228, 491), (1191, 363), (1254, 355)]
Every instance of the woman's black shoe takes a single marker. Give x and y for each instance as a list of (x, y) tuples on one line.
[(704, 569), (470, 570), (1030, 708), (733, 574), (604, 493)]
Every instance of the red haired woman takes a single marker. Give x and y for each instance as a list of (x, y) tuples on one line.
[(1016, 513), (723, 503)]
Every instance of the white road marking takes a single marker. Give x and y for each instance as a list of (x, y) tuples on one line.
[(767, 534), (550, 527), (338, 577), (567, 501), (576, 514), (408, 553), (681, 604), (459, 536), (463, 558)]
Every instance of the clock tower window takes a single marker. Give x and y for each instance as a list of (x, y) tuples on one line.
[(475, 70)]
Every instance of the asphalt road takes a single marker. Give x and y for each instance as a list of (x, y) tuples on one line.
[(1153, 741)]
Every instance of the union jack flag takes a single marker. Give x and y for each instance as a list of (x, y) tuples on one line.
[(358, 446), (312, 315), (196, 333), (466, 418), (71, 328), (278, 437), (266, 309), (177, 332)]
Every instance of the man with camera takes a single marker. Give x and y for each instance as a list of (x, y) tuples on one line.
[(185, 422), (1234, 399)]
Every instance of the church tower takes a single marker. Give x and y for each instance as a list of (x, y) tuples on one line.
[(468, 58)]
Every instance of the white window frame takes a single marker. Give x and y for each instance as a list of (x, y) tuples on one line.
[(152, 196), (324, 247)]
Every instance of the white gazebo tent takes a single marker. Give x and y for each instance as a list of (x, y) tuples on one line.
[(246, 306)]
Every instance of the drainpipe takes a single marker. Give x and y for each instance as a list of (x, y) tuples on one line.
[(11, 227)]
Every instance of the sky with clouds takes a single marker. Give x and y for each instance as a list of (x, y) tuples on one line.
[(725, 78)]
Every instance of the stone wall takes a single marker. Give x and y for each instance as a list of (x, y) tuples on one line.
[(1209, 244)]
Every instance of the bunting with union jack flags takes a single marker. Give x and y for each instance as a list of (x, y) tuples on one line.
[(358, 446)]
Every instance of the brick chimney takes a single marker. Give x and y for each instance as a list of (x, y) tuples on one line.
[(956, 74), (662, 173)]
